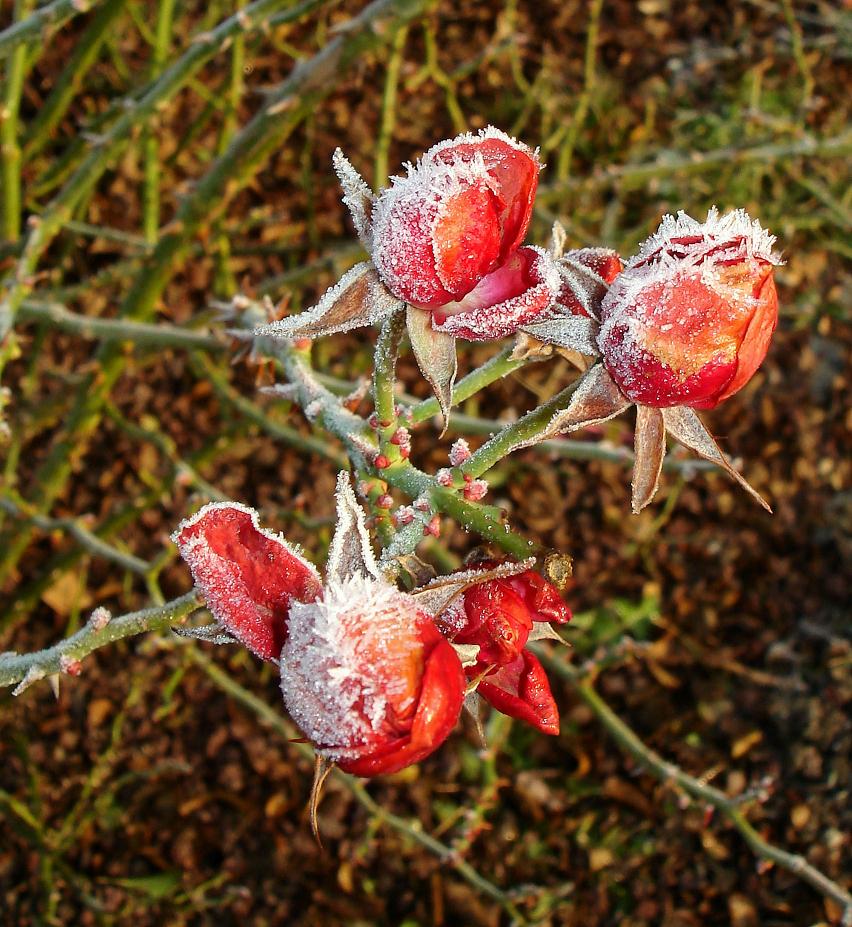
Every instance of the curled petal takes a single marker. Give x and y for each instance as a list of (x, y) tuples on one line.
[(515, 294), (249, 577), (521, 690)]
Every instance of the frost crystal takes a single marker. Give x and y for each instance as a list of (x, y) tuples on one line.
[(350, 553), (357, 197), (345, 659)]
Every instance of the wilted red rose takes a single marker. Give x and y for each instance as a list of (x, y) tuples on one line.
[(499, 616), (369, 679), (249, 576), (689, 320)]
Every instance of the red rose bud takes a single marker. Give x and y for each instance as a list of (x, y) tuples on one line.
[(447, 237), (369, 679), (249, 577), (690, 319)]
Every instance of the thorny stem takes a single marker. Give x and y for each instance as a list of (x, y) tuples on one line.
[(14, 667), (384, 370), (411, 830), (51, 14), (524, 429), (485, 520), (631, 743)]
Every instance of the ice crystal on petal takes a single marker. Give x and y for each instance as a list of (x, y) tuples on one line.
[(345, 658), (351, 553)]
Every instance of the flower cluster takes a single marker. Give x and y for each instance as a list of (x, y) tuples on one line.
[(375, 677), (682, 325)]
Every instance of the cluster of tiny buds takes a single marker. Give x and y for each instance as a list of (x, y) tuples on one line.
[(402, 439)]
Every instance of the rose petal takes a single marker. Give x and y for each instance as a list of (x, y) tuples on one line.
[(248, 576), (522, 690)]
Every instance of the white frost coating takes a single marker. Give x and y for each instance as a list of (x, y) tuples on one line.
[(345, 658), (569, 331), (358, 198), (407, 212), (327, 318), (350, 553), (196, 546), (716, 229)]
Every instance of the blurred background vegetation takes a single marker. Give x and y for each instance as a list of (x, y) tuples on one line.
[(158, 159)]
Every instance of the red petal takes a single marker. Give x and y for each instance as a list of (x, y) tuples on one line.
[(522, 690), (248, 576), (441, 697), (541, 597)]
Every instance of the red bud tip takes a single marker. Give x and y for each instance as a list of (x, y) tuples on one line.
[(70, 666), (434, 527), (384, 501), (373, 421), (381, 462)]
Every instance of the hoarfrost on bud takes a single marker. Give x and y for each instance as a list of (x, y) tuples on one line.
[(459, 452), (404, 515), (444, 477), (475, 490), (100, 618)]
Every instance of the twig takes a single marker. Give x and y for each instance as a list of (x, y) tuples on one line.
[(16, 668), (89, 541), (635, 175), (51, 14), (144, 334), (629, 741)]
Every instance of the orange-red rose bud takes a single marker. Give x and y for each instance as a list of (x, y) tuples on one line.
[(369, 679), (689, 320)]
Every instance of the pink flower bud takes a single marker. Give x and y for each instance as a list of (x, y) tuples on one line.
[(434, 527), (384, 501), (403, 516), (381, 462), (459, 452), (444, 477), (70, 666), (475, 490), (690, 319)]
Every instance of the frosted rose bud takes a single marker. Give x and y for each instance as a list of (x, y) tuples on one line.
[(249, 577), (456, 217), (689, 320), (369, 678), (499, 615)]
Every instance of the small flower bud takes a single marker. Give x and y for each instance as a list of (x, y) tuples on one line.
[(475, 490), (444, 477), (459, 452), (384, 501), (434, 527), (70, 665), (381, 462), (403, 516), (422, 504), (100, 618)]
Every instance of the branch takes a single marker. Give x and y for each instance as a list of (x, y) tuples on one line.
[(51, 14), (28, 668), (630, 742)]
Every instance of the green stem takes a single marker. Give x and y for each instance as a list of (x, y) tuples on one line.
[(499, 366), (10, 151), (388, 116), (34, 26), (143, 334), (150, 142), (15, 667), (68, 83), (525, 429), (384, 372)]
